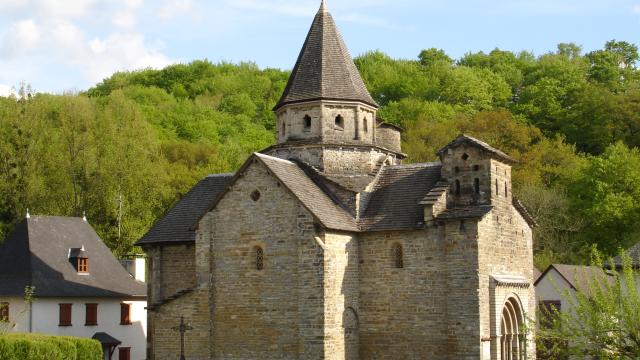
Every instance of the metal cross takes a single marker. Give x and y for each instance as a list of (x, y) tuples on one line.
[(182, 328)]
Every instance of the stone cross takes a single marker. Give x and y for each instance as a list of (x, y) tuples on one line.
[(182, 328)]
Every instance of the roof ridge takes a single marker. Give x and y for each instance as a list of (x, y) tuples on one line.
[(219, 175)]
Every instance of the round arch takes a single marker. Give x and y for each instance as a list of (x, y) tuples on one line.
[(512, 337)]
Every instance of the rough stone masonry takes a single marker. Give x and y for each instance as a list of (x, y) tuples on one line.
[(326, 246)]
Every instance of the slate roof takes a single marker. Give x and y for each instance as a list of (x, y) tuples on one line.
[(324, 69), (396, 196), (37, 254), (469, 140), (465, 212), (106, 339), (634, 253), (314, 199), (578, 276), (176, 225)]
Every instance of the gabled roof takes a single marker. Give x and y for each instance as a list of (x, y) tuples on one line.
[(324, 69), (37, 254), (322, 205), (330, 214), (396, 197), (175, 226), (468, 140), (579, 277)]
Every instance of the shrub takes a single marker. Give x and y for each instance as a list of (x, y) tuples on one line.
[(46, 347)]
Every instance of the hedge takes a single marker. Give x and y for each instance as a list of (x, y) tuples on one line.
[(47, 347)]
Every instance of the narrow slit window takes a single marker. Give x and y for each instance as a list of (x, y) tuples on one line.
[(506, 189), (365, 125), (497, 188), (456, 187), (259, 258), (398, 258), (476, 185), (283, 129), (307, 122), (339, 122)]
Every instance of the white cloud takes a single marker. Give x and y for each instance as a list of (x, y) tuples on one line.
[(23, 36), (6, 90), (124, 19), (123, 51), (173, 8), (86, 39), (636, 9)]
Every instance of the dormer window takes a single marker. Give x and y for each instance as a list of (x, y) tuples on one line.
[(307, 122), (79, 259), (340, 122), (83, 265)]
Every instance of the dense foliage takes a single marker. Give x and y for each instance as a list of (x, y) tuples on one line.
[(38, 347), (126, 149), (604, 322)]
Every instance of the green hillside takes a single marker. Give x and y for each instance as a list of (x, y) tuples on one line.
[(127, 149)]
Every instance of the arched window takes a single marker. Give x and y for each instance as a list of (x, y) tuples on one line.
[(476, 185), (307, 122), (512, 340), (259, 258), (456, 187), (283, 129), (339, 122), (398, 256), (365, 125)]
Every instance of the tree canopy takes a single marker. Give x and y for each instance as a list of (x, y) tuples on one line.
[(125, 150)]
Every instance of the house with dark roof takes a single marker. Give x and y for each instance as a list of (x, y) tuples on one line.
[(327, 246), (79, 287)]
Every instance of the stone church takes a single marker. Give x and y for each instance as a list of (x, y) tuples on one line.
[(326, 246)]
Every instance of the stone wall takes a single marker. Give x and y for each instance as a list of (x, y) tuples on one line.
[(465, 165), (275, 312), (194, 306), (505, 249), (356, 127), (388, 137), (171, 269), (402, 310), (337, 160), (341, 293)]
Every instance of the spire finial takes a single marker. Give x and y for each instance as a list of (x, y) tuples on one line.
[(28, 216), (323, 6)]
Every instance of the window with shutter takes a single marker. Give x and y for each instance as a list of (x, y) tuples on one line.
[(124, 353), (4, 312), (83, 265), (125, 314), (65, 315), (92, 314)]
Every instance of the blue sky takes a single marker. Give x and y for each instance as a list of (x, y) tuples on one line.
[(69, 45)]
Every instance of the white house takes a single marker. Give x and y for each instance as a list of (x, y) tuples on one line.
[(80, 288)]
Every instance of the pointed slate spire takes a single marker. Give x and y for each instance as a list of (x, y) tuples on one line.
[(324, 69)]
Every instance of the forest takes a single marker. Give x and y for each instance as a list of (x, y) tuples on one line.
[(127, 149)]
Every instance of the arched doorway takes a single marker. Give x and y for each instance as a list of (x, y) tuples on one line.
[(512, 339)]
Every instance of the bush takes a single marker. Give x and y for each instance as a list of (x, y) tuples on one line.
[(46, 347)]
